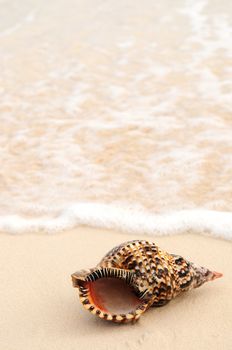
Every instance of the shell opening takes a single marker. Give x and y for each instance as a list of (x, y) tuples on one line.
[(110, 293), (113, 295)]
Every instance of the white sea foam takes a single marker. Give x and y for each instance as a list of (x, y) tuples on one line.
[(134, 112), (126, 219)]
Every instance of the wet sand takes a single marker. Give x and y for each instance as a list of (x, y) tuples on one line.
[(117, 102)]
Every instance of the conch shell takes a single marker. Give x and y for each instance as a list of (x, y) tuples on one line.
[(134, 276)]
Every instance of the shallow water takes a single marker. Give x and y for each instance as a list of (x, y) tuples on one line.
[(119, 102)]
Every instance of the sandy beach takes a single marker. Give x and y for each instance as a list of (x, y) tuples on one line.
[(40, 309)]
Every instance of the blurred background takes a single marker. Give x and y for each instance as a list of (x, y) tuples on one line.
[(121, 102)]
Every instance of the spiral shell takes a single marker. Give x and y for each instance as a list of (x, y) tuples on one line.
[(138, 274)]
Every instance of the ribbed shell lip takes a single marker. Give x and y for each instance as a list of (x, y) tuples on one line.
[(82, 280)]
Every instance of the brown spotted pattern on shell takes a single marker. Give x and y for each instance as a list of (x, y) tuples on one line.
[(136, 274)]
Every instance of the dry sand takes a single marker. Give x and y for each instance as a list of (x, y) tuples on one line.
[(39, 308)]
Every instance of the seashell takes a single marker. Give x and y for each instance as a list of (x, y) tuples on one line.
[(135, 276)]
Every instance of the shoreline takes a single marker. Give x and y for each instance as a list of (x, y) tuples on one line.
[(126, 219)]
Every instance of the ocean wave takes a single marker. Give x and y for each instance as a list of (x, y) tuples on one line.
[(118, 104), (126, 219)]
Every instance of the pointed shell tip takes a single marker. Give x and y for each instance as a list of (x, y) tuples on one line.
[(217, 275)]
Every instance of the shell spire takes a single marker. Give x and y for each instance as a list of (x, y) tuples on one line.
[(135, 276)]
